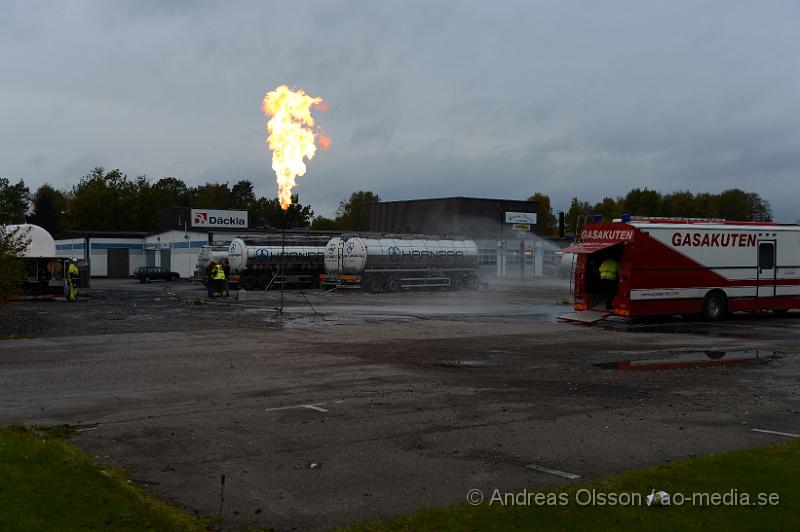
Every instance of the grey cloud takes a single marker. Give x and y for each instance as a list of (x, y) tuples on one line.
[(426, 98)]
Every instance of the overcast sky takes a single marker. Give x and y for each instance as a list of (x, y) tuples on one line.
[(427, 98)]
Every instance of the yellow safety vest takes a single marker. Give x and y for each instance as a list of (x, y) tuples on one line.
[(72, 271), (609, 269), (219, 273)]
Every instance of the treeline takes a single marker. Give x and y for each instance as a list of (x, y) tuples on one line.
[(108, 201), (732, 204)]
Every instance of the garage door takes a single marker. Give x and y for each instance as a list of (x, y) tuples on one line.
[(166, 261), (118, 263)]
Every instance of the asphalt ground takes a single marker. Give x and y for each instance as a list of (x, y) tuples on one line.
[(347, 406)]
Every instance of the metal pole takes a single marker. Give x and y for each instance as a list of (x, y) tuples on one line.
[(283, 256)]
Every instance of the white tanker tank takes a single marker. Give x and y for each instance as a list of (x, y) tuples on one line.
[(216, 253), (391, 263), (259, 263)]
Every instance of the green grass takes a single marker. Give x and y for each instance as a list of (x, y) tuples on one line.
[(766, 470), (47, 484)]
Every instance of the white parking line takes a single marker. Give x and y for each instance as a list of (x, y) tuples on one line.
[(315, 407), (788, 434), (312, 406), (571, 476)]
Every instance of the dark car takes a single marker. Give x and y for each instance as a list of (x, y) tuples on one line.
[(145, 274)]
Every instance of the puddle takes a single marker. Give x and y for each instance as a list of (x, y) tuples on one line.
[(743, 326), (474, 363), (695, 359)]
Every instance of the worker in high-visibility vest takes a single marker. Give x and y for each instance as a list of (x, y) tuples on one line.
[(609, 275), (72, 279), (218, 278)]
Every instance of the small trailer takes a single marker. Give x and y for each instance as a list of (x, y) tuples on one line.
[(688, 266), (44, 274)]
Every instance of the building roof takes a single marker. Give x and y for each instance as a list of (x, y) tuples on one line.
[(63, 235), (461, 198)]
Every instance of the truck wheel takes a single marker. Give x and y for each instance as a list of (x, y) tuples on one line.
[(373, 285), (457, 283), (472, 283), (248, 282), (393, 285), (715, 306)]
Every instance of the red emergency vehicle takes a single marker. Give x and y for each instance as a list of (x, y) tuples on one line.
[(688, 266)]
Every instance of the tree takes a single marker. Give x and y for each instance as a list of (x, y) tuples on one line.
[(322, 223), (12, 245), (546, 223), (609, 208), (103, 200), (267, 212), (171, 192), (49, 206), (14, 201), (643, 202), (705, 205), (242, 195), (353, 214), (759, 208), (680, 204), (575, 215), (212, 196)]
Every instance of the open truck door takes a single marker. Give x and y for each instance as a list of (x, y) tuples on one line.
[(598, 243)]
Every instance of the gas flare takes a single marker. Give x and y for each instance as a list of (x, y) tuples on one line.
[(292, 136)]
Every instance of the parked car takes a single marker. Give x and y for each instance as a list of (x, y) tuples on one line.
[(145, 274)]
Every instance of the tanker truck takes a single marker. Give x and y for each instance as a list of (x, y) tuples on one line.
[(391, 263), (273, 260)]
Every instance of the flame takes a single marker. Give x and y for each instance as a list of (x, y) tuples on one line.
[(292, 135)]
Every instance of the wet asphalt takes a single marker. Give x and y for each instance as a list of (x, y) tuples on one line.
[(341, 407)]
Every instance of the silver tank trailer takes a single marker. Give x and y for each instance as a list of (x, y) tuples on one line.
[(392, 263), (256, 262)]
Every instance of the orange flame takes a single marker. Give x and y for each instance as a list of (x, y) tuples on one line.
[(291, 135)]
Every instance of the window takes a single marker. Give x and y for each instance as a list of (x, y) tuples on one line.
[(766, 256), (487, 256)]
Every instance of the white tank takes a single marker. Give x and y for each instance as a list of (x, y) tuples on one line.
[(242, 256), (41, 242), (333, 255), (364, 254), (567, 260)]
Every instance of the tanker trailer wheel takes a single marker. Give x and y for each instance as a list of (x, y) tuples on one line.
[(249, 282), (263, 282), (456, 283), (373, 284), (473, 283), (393, 285), (715, 306)]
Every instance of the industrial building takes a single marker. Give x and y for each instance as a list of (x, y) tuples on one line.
[(505, 230), (182, 234)]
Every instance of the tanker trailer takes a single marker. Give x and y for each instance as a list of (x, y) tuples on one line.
[(269, 261), (389, 263), (215, 252)]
